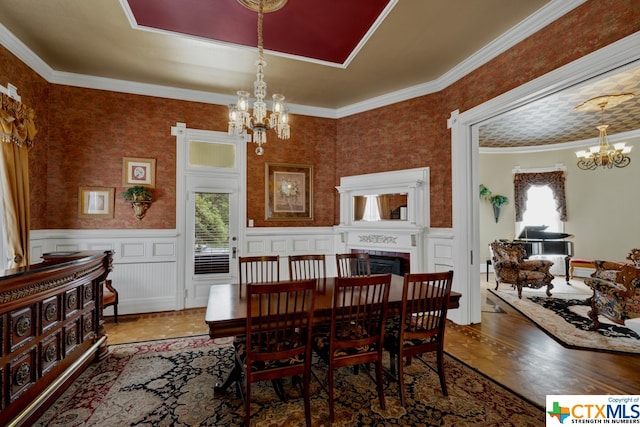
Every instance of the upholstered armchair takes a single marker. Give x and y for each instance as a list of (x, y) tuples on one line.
[(510, 266), (616, 291)]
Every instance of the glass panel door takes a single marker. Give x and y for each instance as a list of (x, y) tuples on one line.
[(211, 236)]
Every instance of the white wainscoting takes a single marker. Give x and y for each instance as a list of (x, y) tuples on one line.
[(144, 263), (285, 241), (440, 249)]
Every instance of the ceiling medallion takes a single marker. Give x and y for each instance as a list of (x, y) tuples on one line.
[(267, 5), (600, 102), (240, 120), (602, 155)]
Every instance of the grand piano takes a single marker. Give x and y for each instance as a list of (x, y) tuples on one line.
[(537, 241)]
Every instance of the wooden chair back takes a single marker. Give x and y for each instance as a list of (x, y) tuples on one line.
[(422, 323), (279, 321), (353, 264), (309, 267), (356, 332), (258, 269)]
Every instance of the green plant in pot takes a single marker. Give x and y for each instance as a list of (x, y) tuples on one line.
[(140, 198), (497, 201), (485, 193)]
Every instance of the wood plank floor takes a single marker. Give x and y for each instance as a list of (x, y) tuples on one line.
[(505, 346)]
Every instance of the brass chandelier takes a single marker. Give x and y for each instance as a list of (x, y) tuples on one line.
[(602, 155), (240, 120)]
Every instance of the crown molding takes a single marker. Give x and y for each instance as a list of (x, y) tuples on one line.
[(631, 136), (547, 14), (532, 24)]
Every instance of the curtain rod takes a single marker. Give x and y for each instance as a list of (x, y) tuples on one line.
[(557, 167), (11, 91)]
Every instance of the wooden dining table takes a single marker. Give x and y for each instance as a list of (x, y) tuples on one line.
[(227, 312)]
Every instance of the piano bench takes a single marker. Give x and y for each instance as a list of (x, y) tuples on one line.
[(580, 263)]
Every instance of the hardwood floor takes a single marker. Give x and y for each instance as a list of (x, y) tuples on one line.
[(505, 346)]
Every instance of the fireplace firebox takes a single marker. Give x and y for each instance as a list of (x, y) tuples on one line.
[(383, 262)]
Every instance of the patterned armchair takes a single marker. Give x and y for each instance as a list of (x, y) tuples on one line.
[(511, 267), (616, 290)]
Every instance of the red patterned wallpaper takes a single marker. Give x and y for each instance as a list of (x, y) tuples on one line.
[(96, 129), (372, 141), (84, 133)]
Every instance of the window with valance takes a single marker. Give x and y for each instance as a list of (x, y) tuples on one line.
[(16, 122), (555, 180), (17, 132)]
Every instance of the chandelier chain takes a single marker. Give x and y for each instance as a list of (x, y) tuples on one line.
[(258, 121), (260, 40)]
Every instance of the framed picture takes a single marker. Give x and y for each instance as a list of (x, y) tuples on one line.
[(95, 202), (288, 191), (138, 172)]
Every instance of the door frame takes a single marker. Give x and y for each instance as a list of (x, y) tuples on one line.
[(183, 135), (465, 150)]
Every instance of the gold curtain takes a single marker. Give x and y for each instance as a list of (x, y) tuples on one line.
[(384, 206), (17, 131), (359, 204), (555, 180)]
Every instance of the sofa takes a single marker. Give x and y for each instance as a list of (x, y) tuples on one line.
[(511, 267), (616, 292)]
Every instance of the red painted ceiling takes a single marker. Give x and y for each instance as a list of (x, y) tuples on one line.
[(325, 30)]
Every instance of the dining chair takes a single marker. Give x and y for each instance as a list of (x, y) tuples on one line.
[(258, 269), (353, 264), (355, 334), (309, 267), (278, 343), (421, 325)]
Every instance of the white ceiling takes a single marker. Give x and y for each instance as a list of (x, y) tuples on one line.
[(419, 47)]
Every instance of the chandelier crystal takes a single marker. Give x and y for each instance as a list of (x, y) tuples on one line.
[(240, 120), (603, 155)]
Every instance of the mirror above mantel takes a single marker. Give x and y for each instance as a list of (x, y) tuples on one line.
[(386, 199), (380, 207)]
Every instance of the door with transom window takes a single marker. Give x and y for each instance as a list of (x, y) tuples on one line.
[(210, 204)]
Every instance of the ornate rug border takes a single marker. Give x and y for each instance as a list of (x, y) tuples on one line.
[(556, 338)]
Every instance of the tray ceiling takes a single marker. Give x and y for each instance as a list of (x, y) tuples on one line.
[(330, 54)]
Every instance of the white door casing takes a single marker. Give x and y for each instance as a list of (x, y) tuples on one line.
[(192, 290), (620, 55)]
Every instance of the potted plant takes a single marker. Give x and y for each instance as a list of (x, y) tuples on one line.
[(496, 201), (485, 193), (140, 198)]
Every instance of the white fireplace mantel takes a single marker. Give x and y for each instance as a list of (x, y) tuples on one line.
[(408, 236)]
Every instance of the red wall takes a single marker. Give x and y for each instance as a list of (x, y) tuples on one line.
[(84, 133), (93, 130)]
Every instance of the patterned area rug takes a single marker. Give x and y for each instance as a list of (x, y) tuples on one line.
[(170, 383), (564, 316)]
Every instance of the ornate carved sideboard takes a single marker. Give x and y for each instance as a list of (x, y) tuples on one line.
[(52, 329)]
